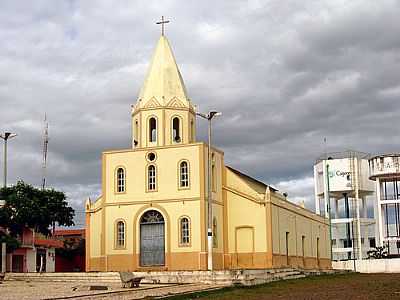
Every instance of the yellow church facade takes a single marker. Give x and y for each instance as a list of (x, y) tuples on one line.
[(152, 213)]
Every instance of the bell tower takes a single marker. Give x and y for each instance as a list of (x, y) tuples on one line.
[(163, 114)]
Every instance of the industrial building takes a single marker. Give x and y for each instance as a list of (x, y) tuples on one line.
[(343, 188), (385, 171)]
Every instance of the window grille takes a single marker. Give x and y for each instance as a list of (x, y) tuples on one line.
[(120, 234), (120, 180), (185, 231), (152, 183), (184, 174)]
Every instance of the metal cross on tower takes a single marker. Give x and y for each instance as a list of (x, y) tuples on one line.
[(162, 22)]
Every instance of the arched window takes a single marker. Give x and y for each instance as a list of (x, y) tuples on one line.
[(120, 230), (215, 233), (136, 134), (152, 216), (183, 174), (120, 180), (152, 129), (184, 231), (151, 178), (176, 134)]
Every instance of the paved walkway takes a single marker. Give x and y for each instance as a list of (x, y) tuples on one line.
[(19, 290)]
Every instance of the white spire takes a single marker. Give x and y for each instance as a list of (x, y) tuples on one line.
[(163, 81)]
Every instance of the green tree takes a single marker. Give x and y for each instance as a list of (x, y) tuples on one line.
[(27, 206)]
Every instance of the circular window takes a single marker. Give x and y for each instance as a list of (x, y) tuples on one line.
[(151, 156)]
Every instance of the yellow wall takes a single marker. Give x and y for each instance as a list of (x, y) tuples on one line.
[(287, 217), (258, 219), (246, 245), (172, 201), (252, 220), (298, 223), (135, 164), (95, 233)]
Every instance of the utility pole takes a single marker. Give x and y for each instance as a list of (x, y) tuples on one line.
[(209, 118), (329, 206), (45, 146), (5, 136)]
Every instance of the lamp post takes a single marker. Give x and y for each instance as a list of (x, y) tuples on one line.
[(209, 118), (329, 206), (6, 136)]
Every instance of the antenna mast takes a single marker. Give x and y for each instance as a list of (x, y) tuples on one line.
[(45, 145)]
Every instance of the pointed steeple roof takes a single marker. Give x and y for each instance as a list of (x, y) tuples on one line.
[(163, 81)]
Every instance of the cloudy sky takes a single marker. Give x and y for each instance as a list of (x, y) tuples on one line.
[(285, 74)]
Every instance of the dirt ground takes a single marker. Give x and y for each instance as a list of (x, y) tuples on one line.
[(347, 286), (25, 290)]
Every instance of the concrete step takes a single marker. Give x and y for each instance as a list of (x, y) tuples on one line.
[(227, 277), (64, 277)]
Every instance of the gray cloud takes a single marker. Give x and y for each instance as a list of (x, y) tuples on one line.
[(284, 74)]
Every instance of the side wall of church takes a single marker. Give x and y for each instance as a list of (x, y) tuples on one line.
[(93, 239), (246, 221), (265, 230), (300, 238)]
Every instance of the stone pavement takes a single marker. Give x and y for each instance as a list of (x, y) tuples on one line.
[(19, 290)]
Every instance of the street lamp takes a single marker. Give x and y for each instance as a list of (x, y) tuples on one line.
[(209, 117), (6, 136)]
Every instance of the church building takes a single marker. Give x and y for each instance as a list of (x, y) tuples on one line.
[(152, 213)]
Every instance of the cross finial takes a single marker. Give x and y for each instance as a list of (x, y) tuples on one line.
[(162, 22)]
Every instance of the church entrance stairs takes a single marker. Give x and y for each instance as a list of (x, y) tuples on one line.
[(226, 277)]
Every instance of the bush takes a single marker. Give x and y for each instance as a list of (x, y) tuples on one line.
[(378, 253)]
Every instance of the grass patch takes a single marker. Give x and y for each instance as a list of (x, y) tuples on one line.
[(337, 286)]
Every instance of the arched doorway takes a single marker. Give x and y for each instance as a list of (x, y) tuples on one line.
[(152, 239)]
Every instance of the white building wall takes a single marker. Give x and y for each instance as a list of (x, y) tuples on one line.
[(369, 265), (347, 174), (3, 257), (31, 260), (50, 260), (386, 168)]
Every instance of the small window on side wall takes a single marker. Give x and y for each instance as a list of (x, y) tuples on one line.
[(151, 178), (120, 242), (185, 231), (120, 180), (184, 174)]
